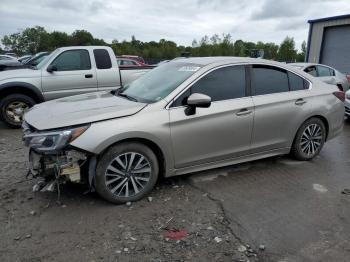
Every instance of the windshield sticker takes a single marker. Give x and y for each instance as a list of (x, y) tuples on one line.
[(189, 68)]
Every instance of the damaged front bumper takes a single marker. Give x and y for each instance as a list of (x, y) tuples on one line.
[(54, 161)]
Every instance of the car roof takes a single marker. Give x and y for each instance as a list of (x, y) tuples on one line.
[(303, 64), (217, 60)]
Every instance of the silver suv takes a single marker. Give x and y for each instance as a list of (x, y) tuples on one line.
[(184, 116)]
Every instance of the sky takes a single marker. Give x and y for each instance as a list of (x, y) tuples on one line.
[(180, 21)]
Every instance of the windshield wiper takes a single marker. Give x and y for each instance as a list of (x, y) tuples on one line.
[(127, 97)]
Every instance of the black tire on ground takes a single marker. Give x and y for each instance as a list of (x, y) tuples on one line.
[(297, 148), (13, 98), (118, 150)]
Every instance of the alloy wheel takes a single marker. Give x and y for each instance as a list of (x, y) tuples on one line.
[(128, 174), (311, 139)]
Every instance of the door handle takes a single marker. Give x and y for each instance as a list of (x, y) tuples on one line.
[(88, 76), (243, 112), (300, 102)]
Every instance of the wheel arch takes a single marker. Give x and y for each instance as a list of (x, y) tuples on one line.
[(21, 88), (322, 118), (161, 157)]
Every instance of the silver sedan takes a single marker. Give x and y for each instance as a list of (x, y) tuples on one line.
[(325, 73), (184, 116)]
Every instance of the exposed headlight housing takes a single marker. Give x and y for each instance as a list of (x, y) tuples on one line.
[(53, 140)]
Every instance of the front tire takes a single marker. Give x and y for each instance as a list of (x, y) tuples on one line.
[(309, 139), (13, 107), (126, 172)]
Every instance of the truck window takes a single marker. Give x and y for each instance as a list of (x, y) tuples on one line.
[(103, 61), (73, 60)]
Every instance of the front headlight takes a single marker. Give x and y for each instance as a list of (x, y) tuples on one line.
[(53, 140)]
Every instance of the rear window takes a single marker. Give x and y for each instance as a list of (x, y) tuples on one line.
[(269, 80), (296, 82), (102, 58)]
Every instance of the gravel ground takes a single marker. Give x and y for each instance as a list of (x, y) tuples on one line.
[(83, 227)]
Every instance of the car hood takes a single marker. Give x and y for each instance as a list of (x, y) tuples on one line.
[(80, 109), (19, 73)]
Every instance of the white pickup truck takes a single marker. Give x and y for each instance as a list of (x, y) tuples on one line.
[(66, 71)]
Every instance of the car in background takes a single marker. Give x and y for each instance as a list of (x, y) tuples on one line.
[(347, 104), (11, 54), (7, 58), (128, 63), (325, 73), (36, 59), (65, 72), (187, 115), (7, 61), (31, 62), (134, 57), (24, 58)]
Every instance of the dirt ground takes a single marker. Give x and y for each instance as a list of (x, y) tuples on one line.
[(83, 227), (275, 209)]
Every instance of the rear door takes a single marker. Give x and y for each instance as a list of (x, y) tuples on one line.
[(281, 100), (219, 132), (74, 75), (108, 76)]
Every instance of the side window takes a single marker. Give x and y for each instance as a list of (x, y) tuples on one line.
[(311, 70), (103, 61), (296, 82), (323, 71), (222, 84), (269, 80), (73, 60)]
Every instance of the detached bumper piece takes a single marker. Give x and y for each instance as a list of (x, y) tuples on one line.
[(55, 169)]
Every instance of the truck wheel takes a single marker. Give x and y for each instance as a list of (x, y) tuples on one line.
[(126, 172), (13, 107), (309, 139)]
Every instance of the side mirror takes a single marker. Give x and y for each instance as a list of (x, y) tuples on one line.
[(51, 68), (197, 100)]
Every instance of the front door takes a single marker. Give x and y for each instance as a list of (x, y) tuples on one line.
[(74, 75), (219, 132)]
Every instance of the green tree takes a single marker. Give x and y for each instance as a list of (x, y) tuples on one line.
[(287, 51), (239, 48), (302, 54), (82, 37), (30, 40)]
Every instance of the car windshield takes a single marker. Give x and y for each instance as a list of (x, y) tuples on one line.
[(45, 59), (159, 82)]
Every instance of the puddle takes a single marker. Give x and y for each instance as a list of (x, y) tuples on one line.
[(320, 188)]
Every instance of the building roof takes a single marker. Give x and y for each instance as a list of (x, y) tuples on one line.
[(328, 18)]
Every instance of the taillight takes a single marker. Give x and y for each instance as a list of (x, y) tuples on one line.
[(340, 95)]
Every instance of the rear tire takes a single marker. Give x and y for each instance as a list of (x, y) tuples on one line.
[(309, 139), (13, 107), (126, 172)]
